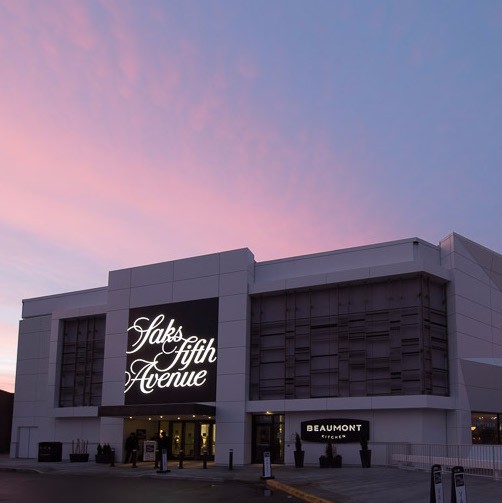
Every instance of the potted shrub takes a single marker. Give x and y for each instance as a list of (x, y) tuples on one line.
[(330, 459), (104, 454), (79, 452), (299, 454), (365, 453)]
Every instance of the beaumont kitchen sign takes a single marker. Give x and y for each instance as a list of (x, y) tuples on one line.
[(171, 353), (335, 430)]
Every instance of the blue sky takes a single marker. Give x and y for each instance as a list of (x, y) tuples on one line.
[(137, 132)]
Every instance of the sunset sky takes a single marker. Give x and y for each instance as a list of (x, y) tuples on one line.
[(134, 132)]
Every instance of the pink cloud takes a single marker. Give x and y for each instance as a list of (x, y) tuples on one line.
[(125, 47), (165, 87), (247, 68), (78, 199), (8, 357), (7, 380), (81, 31)]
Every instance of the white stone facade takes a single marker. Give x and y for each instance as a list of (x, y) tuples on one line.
[(473, 278)]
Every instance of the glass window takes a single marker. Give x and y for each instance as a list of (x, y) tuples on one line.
[(382, 338), (485, 428), (268, 436), (83, 343)]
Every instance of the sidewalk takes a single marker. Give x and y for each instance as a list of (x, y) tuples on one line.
[(346, 485)]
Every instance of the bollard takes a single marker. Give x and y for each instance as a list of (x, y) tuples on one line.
[(436, 495), (458, 494), (180, 456), (134, 458), (163, 462), (204, 460), (231, 459), (112, 464)]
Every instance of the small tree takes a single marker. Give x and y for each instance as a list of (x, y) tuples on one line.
[(79, 450), (79, 447), (298, 453), (365, 453), (330, 453), (298, 443)]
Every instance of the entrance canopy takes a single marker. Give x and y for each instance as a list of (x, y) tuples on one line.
[(165, 409)]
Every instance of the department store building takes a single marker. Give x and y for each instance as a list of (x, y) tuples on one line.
[(225, 353)]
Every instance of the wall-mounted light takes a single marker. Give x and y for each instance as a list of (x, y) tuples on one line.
[(473, 428)]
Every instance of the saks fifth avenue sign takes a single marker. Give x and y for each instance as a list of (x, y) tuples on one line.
[(171, 353), (335, 430)]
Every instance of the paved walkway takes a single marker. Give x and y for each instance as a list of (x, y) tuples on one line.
[(345, 485)]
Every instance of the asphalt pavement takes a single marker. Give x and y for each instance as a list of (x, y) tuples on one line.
[(350, 484)]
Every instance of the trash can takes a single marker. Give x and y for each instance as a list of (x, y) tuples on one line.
[(50, 451)]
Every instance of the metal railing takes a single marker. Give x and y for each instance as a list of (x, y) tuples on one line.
[(481, 460)]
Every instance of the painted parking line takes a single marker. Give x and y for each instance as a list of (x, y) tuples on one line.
[(297, 493)]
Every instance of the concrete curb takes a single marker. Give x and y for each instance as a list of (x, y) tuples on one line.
[(19, 470)]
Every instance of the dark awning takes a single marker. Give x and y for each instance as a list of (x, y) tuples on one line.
[(179, 409)]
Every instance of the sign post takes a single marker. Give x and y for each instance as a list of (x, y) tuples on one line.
[(436, 485), (149, 450), (163, 462), (267, 467), (458, 493)]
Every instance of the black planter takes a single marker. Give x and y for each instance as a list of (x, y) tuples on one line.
[(79, 458), (365, 458), (334, 462), (103, 458), (299, 456)]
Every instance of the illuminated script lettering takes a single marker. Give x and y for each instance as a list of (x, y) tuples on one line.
[(179, 360)]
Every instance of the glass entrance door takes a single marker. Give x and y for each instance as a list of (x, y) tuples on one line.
[(268, 436), (191, 437), (207, 440), (189, 440), (176, 439)]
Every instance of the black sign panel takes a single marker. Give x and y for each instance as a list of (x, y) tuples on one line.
[(335, 430), (171, 353)]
